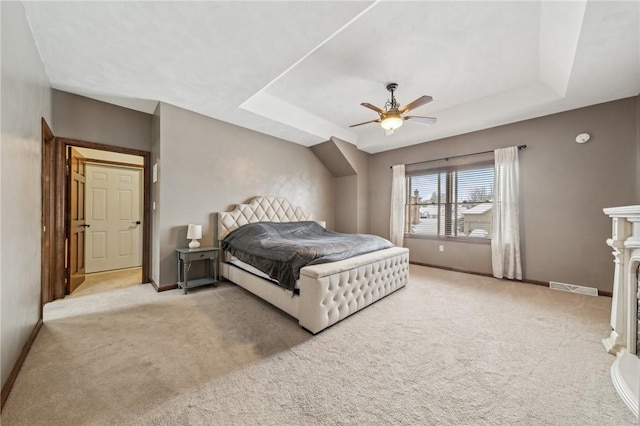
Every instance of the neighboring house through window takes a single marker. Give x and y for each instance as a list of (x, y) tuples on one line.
[(451, 202)]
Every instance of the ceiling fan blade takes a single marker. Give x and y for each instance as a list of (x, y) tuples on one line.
[(421, 120), (366, 122), (373, 107), (422, 100)]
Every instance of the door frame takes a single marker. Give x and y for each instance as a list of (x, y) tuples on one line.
[(54, 187), (48, 229)]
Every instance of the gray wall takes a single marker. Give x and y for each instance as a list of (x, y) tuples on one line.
[(207, 166), (204, 166), (359, 160), (89, 120), (638, 148), (346, 188), (26, 97), (564, 187), (350, 168), (155, 195)]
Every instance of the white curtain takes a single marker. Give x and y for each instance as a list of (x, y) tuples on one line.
[(398, 195), (505, 243)]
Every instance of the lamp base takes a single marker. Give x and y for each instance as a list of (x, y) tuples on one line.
[(194, 244)]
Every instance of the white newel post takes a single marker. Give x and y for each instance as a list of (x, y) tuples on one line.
[(625, 242), (620, 230)]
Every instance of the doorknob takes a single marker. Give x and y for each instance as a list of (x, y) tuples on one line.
[(137, 222), (85, 225)]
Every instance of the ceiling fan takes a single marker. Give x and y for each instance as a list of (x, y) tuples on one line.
[(391, 117)]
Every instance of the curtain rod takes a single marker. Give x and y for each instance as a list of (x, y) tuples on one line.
[(457, 156)]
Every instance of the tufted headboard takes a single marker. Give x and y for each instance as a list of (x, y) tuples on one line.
[(259, 209)]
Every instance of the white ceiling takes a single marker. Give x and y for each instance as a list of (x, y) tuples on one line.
[(299, 70)]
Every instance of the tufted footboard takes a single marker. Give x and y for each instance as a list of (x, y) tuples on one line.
[(330, 292)]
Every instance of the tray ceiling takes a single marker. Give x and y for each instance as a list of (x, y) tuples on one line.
[(299, 70)]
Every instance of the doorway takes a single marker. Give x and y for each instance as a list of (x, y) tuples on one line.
[(64, 186), (113, 212)]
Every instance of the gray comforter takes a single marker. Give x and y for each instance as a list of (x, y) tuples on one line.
[(280, 250)]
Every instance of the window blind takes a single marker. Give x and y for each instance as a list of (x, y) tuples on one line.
[(452, 201)]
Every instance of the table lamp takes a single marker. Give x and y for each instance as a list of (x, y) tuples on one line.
[(194, 233)]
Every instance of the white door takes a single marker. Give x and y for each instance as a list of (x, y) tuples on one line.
[(114, 215)]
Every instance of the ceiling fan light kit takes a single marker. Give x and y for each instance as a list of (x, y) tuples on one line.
[(391, 117), (391, 121)]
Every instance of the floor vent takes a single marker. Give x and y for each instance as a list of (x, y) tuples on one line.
[(590, 291)]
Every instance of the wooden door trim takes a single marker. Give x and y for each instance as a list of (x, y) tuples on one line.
[(146, 199), (47, 270), (58, 283), (59, 247), (103, 147)]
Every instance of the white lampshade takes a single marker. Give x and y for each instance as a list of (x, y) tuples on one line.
[(391, 122), (194, 232)]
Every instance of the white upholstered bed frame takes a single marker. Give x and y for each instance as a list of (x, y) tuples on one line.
[(328, 292)]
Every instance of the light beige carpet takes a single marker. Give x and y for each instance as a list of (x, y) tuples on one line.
[(450, 349), (109, 280)]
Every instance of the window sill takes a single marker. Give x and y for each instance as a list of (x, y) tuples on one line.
[(471, 240)]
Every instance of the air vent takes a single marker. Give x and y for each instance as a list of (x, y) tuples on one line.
[(589, 291)]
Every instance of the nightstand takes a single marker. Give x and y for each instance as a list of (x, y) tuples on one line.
[(187, 256)]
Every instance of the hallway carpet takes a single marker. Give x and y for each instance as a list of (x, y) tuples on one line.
[(109, 280)]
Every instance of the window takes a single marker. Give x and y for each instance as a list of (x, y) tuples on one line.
[(452, 202)]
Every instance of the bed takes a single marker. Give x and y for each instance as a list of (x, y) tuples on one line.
[(326, 293)]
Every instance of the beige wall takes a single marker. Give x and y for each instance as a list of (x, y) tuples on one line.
[(89, 120), (26, 97), (564, 187), (207, 166)]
